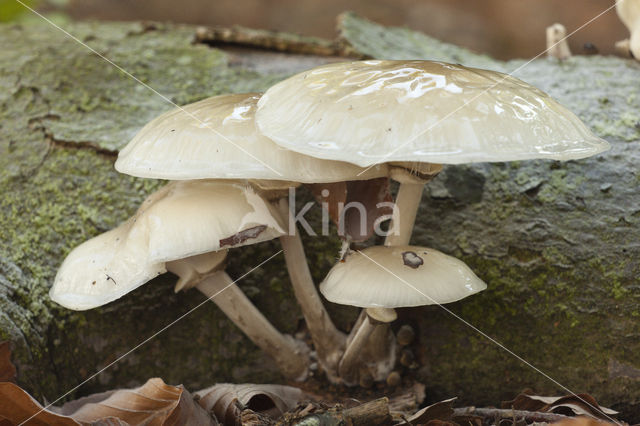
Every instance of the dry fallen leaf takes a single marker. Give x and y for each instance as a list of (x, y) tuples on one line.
[(439, 413), (7, 369), (16, 406), (573, 405), (227, 401), (154, 403)]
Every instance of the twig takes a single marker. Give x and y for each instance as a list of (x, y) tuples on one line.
[(528, 416), (371, 413), (274, 40)]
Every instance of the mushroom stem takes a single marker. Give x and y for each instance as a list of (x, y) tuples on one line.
[(290, 355), (407, 204), (361, 342), (347, 368), (329, 342), (380, 345)]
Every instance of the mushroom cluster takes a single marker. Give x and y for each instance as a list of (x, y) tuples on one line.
[(353, 126)]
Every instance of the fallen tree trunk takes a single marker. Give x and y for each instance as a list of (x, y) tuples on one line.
[(557, 243)]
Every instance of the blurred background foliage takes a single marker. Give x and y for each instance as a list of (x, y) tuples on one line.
[(11, 10), (503, 28)]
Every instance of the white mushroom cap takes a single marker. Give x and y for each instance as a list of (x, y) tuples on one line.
[(369, 112), (195, 217), (104, 269), (399, 276), (629, 13), (181, 220), (217, 138)]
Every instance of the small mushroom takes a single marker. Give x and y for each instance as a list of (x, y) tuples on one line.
[(410, 276), (629, 13), (557, 46), (185, 227)]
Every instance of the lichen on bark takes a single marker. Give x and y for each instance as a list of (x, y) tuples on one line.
[(557, 243)]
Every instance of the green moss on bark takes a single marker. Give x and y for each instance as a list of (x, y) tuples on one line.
[(64, 112)]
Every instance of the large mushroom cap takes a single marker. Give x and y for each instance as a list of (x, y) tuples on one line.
[(181, 220), (369, 112), (399, 276), (217, 138)]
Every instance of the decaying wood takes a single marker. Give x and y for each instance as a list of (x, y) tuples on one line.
[(274, 40), (371, 413), (498, 413)]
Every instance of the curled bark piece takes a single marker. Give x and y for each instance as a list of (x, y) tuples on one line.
[(229, 402)]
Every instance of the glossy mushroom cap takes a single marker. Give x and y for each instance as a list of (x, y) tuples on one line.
[(217, 138), (200, 216), (104, 269), (369, 112), (178, 222), (399, 276), (629, 13)]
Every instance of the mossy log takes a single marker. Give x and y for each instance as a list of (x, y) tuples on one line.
[(557, 243)]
